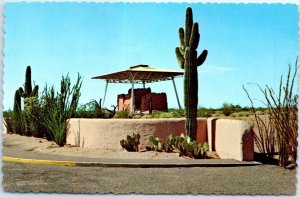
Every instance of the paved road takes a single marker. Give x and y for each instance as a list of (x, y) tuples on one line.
[(263, 179)]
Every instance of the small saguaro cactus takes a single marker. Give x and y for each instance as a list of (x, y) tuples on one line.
[(28, 92), (188, 60)]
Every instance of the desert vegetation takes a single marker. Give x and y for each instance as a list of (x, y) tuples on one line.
[(44, 115), (183, 145), (278, 130)]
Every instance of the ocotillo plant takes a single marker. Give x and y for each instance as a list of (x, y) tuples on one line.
[(188, 60)]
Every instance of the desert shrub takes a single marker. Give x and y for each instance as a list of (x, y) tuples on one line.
[(121, 114), (227, 109), (59, 107), (170, 114), (19, 123), (203, 112), (146, 116), (92, 109), (33, 113), (57, 127), (242, 114), (279, 131), (131, 143), (8, 117), (82, 113), (137, 116)]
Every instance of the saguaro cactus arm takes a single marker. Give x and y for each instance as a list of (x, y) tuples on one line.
[(35, 91), (17, 102), (195, 36), (181, 39), (180, 57), (202, 57)]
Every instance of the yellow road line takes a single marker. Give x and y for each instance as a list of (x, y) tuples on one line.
[(34, 161)]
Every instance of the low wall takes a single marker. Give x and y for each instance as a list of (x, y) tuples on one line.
[(107, 133), (231, 139)]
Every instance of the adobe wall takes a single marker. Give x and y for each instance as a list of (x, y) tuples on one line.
[(107, 133), (231, 139)]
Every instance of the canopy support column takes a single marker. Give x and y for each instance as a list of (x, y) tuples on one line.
[(132, 97), (144, 84), (105, 93), (176, 93)]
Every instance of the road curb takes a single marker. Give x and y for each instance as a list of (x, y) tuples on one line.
[(36, 161), (128, 164), (156, 165)]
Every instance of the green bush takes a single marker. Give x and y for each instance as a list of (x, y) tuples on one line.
[(170, 114), (8, 117), (121, 114), (92, 109), (131, 143), (227, 109), (203, 112), (33, 112), (58, 108), (56, 127)]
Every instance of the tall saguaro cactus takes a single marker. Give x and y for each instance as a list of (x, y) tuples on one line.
[(188, 60)]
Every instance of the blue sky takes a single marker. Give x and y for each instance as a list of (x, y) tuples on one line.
[(246, 43)]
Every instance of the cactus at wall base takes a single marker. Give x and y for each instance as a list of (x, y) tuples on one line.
[(158, 145), (187, 58), (185, 146), (131, 142)]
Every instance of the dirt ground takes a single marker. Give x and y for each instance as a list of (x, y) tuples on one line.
[(40, 145)]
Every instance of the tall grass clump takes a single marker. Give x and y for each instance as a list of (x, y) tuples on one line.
[(59, 107), (279, 131)]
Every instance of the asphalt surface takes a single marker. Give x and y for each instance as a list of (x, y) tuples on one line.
[(261, 179), (22, 173)]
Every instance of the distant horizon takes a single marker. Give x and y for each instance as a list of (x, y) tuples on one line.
[(246, 43)]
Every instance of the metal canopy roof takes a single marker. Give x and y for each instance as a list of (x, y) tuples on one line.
[(140, 74)]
